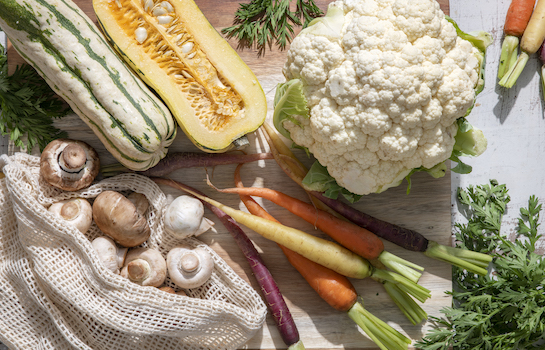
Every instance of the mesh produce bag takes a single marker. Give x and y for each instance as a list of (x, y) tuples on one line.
[(55, 294)]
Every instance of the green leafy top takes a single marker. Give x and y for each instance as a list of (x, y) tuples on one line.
[(504, 310), (265, 23), (27, 107)]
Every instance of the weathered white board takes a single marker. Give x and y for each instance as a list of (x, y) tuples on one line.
[(512, 119)]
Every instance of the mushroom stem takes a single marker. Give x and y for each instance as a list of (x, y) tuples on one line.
[(72, 159), (189, 267), (70, 210), (190, 262), (138, 270), (76, 212)]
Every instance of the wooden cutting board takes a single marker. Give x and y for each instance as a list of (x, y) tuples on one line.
[(426, 209)]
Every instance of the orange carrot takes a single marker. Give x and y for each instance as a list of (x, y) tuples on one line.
[(517, 17), (332, 287), (516, 21), (531, 41), (357, 239), (361, 241)]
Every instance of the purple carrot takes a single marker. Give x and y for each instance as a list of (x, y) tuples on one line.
[(269, 289), (178, 160), (409, 239)]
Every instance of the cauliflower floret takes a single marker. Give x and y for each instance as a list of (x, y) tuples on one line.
[(385, 94), (320, 56)]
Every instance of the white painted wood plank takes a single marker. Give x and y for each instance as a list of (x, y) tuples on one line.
[(512, 119)]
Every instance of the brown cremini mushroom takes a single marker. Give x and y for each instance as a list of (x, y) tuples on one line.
[(117, 217), (76, 212), (69, 165), (145, 266)]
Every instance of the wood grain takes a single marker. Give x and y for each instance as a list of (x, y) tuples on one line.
[(426, 209)]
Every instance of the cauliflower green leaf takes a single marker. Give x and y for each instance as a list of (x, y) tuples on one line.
[(289, 100)]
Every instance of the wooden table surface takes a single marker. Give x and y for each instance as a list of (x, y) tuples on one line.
[(426, 209)]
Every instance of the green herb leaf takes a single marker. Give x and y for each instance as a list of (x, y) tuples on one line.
[(264, 23), (28, 107), (504, 310)]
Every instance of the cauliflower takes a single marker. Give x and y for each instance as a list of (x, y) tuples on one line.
[(385, 85)]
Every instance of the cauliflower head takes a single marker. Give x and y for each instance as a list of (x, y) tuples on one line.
[(384, 82)]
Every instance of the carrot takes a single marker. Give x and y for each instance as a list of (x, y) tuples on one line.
[(404, 237), (334, 288), (359, 240), (316, 249), (516, 21), (331, 286), (531, 41), (517, 17), (181, 160)]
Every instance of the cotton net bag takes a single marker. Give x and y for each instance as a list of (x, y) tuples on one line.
[(54, 294)]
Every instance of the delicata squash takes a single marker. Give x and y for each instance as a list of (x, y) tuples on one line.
[(70, 53), (214, 96)]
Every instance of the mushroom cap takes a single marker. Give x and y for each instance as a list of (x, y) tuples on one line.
[(75, 211), (189, 268), (117, 217), (184, 216), (81, 164), (156, 269), (109, 253)]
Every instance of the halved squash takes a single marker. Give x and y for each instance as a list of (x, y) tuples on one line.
[(214, 96)]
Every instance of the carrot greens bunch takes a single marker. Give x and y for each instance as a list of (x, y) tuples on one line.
[(504, 310)]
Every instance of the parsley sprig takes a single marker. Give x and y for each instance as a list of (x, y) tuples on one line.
[(506, 309), (265, 23), (28, 107)]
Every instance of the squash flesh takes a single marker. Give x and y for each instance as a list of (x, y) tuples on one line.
[(211, 92)]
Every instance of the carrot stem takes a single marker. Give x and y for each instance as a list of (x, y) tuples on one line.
[(471, 261), (386, 337), (508, 56), (510, 78), (405, 303)]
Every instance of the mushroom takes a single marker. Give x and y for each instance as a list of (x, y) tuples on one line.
[(184, 217), (120, 219), (189, 268), (145, 266), (167, 289), (69, 165), (76, 212), (112, 255)]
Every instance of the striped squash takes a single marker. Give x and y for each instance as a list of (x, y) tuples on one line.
[(70, 53)]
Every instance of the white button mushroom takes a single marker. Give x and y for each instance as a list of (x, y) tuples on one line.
[(189, 268), (69, 165), (184, 217), (119, 218), (145, 266), (76, 212), (112, 255)]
